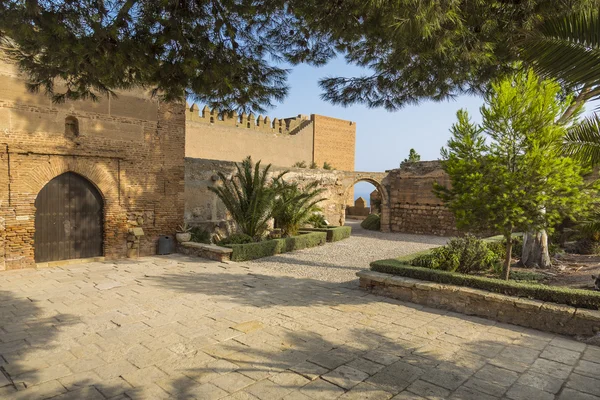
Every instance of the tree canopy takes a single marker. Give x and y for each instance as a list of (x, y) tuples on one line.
[(509, 173), (233, 54), (224, 53), (429, 49)]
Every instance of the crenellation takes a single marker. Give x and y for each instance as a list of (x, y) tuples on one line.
[(244, 121)]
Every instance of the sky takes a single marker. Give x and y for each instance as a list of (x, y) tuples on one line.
[(383, 139)]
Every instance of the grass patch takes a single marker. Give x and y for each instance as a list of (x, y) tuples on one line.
[(334, 233), (252, 251), (573, 297)]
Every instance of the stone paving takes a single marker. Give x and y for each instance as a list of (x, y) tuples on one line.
[(177, 327)]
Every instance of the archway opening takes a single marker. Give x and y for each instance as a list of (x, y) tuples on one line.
[(68, 220), (363, 198)]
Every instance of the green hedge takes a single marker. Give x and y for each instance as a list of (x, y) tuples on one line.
[(334, 233), (372, 222), (573, 297), (252, 251)]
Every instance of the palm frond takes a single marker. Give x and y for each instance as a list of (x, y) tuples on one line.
[(582, 141), (567, 49)]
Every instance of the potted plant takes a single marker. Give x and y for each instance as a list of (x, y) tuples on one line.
[(183, 233)]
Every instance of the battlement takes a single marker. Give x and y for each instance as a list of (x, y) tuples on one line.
[(288, 126)]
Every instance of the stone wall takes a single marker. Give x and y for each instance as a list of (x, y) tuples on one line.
[(413, 206), (131, 148), (545, 316), (204, 209)]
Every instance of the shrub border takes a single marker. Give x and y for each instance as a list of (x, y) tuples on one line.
[(252, 251), (573, 297), (334, 233)]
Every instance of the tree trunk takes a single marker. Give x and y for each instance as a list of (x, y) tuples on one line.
[(535, 250), (506, 271)]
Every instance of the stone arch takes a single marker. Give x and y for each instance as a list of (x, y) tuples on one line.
[(380, 187)]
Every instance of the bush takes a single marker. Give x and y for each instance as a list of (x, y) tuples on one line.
[(587, 246), (334, 233), (499, 247), (252, 251), (317, 220), (466, 254), (372, 222), (573, 297), (236, 238), (199, 235)]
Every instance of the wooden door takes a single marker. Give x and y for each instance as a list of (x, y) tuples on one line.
[(68, 219)]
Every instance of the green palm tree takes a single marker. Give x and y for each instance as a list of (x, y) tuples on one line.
[(295, 205), (249, 196), (568, 50)]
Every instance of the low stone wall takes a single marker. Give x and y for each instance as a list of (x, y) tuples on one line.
[(550, 317), (210, 251)]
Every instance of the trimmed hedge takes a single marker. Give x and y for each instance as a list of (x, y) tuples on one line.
[(252, 251), (372, 222), (573, 297), (334, 233)]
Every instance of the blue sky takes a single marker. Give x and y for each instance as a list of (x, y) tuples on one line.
[(383, 139)]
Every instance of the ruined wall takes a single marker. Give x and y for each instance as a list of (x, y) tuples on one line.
[(334, 142), (203, 208), (413, 206), (232, 137), (131, 148)]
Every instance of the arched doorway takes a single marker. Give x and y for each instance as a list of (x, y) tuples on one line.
[(68, 219), (366, 196)]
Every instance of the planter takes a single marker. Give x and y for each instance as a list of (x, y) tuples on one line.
[(183, 237)]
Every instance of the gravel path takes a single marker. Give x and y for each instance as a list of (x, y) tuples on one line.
[(339, 261)]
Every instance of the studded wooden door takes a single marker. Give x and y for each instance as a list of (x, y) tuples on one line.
[(68, 219)]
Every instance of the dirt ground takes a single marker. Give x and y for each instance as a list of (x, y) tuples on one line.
[(573, 270)]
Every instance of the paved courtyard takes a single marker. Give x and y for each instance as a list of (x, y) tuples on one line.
[(179, 327)]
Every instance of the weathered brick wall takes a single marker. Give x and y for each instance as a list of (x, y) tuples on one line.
[(131, 148), (335, 142), (280, 142), (413, 206)]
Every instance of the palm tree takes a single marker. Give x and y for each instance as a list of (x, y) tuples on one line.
[(568, 50), (294, 205), (249, 196)]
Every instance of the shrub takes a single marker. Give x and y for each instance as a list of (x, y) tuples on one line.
[(334, 233), (236, 238), (295, 205), (327, 166), (299, 164), (372, 222), (499, 247), (317, 220), (252, 251), (587, 246), (466, 254), (249, 196), (573, 297), (199, 235)]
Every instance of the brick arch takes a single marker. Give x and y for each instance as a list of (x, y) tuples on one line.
[(96, 173), (26, 184)]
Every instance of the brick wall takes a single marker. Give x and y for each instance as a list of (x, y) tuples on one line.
[(281, 142), (334, 142), (131, 148)]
